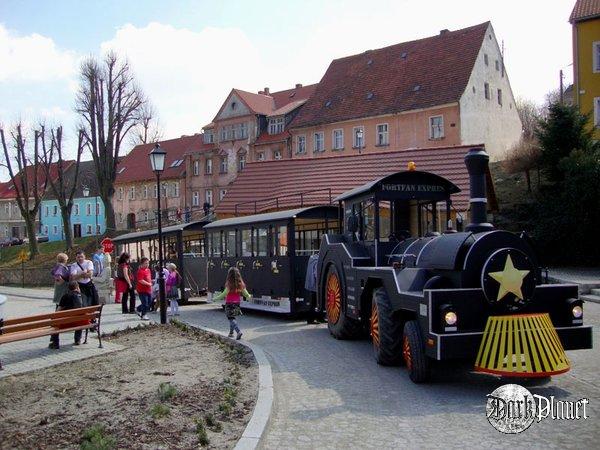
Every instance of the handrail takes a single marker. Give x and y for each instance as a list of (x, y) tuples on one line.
[(276, 199)]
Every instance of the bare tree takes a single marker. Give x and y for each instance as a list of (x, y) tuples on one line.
[(110, 103), (64, 189), (26, 176), (148, 130)]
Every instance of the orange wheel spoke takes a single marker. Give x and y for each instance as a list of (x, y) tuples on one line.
[(406, 352), (375, 325), (333, 298)]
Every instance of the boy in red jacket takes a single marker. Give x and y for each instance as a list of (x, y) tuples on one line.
[(144, 287)]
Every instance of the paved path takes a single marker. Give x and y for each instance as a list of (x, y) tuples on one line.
[(331, 394)]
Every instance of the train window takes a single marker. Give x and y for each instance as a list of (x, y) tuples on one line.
[(260, 241), (230, 241), (280, 241), (368, 220), (385, 223), (246, 243), (215, 243)]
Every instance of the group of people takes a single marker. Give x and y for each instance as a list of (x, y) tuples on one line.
[(147, 286)]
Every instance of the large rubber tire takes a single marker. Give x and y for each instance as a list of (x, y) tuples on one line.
[(340, 326), (386, 331), (413, 351)]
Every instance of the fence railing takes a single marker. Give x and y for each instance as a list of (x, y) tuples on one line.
[(275, 201)]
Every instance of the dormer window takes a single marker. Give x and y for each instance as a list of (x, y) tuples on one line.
[(233, 105), (208, 137), (276, 125)]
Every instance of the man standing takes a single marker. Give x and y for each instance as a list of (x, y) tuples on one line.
[(82, 271), (98, 260)]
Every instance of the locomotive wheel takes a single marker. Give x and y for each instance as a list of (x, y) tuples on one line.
[(413, 351), (340, 326), (386, 332)]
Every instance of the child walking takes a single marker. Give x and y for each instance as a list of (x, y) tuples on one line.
[(234, 289), (172, 287)]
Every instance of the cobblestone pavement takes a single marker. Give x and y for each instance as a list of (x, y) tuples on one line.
[(331, 394)]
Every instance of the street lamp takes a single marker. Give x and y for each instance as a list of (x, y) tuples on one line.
[(157, 161), (359, 138), (86, 193)]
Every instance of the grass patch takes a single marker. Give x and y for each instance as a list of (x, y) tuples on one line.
[(48, 251), (96, 438), (201, 432), (159, 411), (212, 423), (166, 391)]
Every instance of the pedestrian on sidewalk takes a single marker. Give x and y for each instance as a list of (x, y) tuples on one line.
[(98, 260), (155, 287), (172, 288), (61, 274), (71, 300), (124, 284), (82, 271), (235, 288), (144, 287)]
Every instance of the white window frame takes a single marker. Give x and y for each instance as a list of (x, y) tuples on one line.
[(334, 145), (241, 162), (132, 193), (439, 128), (145, 191), (320, 140), (597, 112), (76, 209), (260, 156), (98, 229), (196, 167), (383, 137), (88, 229), (596, 56), (243, 130), (195, 198), (224, 164), (301, 144), (88, 209), (222, 194), (277, 155), (208, 137), (121, 217), (355, 143), (155, 191), (208, 196), (176, 189), (120, 195), (276, 125), (208, 166)]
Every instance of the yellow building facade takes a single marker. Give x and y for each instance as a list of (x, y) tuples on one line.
[(585, 19)]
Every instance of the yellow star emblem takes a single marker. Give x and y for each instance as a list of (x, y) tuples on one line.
[(510, 279)]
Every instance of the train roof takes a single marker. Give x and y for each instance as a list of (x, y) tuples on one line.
[(405, 184), (138, 236), (313, 212)]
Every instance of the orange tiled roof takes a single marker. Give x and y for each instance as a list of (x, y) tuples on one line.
[(585, 9)]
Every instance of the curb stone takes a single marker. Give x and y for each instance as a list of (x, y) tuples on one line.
[(255, 429)]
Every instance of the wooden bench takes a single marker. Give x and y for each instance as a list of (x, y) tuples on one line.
[(30, 327)]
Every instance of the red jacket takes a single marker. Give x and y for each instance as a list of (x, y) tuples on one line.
[(146, 275)]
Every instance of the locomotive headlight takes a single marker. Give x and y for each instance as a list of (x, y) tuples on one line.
[(450, 318), (577, 312)]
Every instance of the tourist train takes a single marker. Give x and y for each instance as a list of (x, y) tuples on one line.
[(371, 266)]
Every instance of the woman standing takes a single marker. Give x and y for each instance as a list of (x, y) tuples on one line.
[(172, 287), (61, 274), (124, 284)]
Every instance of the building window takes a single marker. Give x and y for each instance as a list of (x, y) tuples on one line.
[(76, 209), (596, 47), (485, 59), (301, 145), (209, 196), (146, 216), (260, 156), (276, 125), (208, 166), (243, 130), (97, 208), (7, 210), (338, 139), (319, 142), (222, 193), (223, 164), (46, 230), (597, 112), (55, 210), (47, 211), (498, 65), (500, 97), (176, 190), (382, 134), (88, 209), (224, 134), (155, 191), (164, 188), (196, 168), (436, 127), (88, 229), (145, 191), (120, 195), (54, 229), (208, 137), (358, 134), (132, 193), (486, 90), (121, 217), (98, 229), (195, 199), (277, 155), (241, 162)]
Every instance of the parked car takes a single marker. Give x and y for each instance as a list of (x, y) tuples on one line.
[(10, 241), (42, 238)]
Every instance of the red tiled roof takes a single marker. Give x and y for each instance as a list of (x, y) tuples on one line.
[(7, 190), (266, 138), (258, 103), (282, 98), (585, 9), (288, 178), (136, 164), (411, 75), (287, 108)]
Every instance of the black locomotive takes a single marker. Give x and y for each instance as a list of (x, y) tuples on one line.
[(476, 294)]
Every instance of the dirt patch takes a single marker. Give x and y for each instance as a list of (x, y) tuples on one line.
[(170, 387)]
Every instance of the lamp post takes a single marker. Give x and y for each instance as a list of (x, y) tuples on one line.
[(157, 161), (86, 193)]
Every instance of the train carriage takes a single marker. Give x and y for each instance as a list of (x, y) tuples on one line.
[(271, 251), (427, 295)]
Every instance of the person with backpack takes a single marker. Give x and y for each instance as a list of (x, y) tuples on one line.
[(172, 284)]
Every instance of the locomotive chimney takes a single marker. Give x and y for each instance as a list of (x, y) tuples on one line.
[(477, 162)]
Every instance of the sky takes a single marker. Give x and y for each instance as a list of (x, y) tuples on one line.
[(188, 54)]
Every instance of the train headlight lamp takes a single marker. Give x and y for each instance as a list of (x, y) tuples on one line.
[(577, 312), (450, 318)]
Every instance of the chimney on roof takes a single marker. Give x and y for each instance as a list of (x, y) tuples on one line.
[(444, 31), (298, 85), (266, 91)]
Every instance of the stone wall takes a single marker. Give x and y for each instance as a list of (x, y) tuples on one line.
[(34, 276)]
